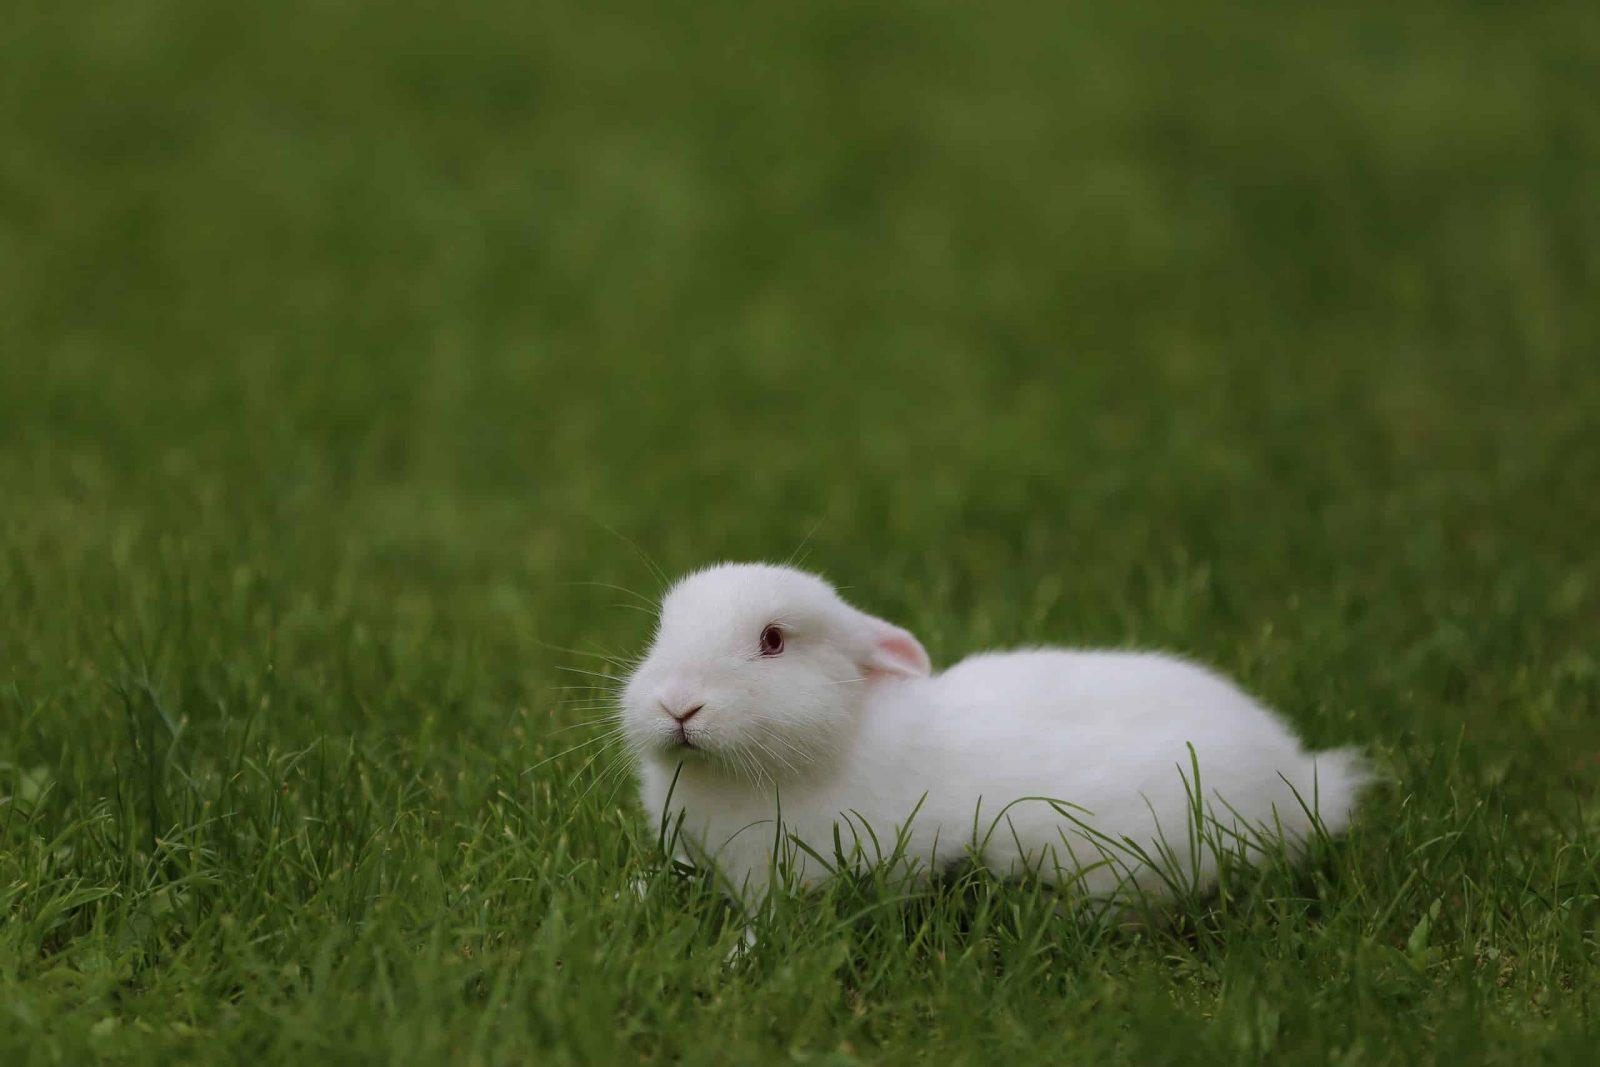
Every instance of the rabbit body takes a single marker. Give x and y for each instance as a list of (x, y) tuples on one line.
[(1073, 767)]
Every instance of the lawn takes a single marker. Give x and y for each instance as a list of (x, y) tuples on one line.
[(351, 354)]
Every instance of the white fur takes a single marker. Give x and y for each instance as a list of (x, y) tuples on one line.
[(846, 728)]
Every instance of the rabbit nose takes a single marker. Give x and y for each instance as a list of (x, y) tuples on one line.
[(684, 715)]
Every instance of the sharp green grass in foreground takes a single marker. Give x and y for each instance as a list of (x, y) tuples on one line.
[(335, 342)]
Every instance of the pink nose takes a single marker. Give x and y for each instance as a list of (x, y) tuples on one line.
[(684, 715)]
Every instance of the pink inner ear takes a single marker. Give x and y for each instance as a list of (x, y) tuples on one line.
[(902, 649), (901, 654)]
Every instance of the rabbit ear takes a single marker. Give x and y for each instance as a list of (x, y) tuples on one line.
[(891, 650)]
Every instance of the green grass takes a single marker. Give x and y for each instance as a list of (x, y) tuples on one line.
[(335, 340)]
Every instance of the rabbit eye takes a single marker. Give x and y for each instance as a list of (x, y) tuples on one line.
[(771, 641)]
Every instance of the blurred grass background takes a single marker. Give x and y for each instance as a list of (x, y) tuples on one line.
[(341, 344)]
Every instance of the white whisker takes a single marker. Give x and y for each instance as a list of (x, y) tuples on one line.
[(581, 725), (609, 736), (592, 674), (618, 589)]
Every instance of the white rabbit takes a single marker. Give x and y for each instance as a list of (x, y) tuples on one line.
[(766, 701)]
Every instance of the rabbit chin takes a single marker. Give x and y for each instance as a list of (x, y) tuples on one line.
[(709, 757), (689, 747)]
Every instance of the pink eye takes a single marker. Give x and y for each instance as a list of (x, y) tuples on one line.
[(771, 641)]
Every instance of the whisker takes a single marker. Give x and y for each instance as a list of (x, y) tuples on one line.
[(607, 656), (580, 725), (592, 674), (615, 588), (795, 558), (591, 702), (611, 736), (770, 754), (600, 776), (659, 574), (619, 770), (587, 764), (756, 772), (801, 754)]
